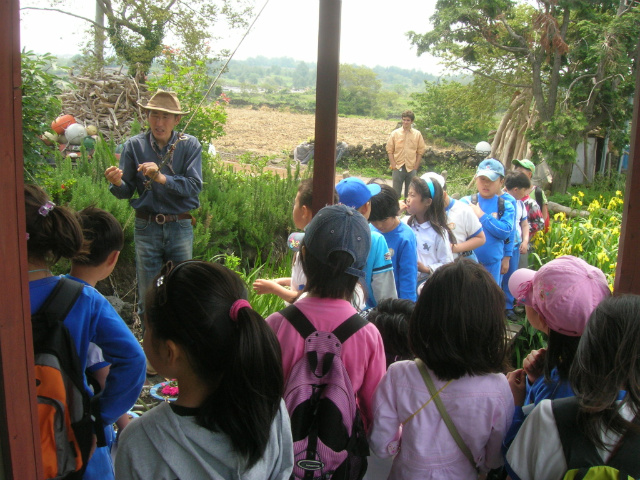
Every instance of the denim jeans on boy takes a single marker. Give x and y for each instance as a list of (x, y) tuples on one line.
[(155, 246), (513, 266)]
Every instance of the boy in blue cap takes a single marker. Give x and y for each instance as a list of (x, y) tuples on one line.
[(379, 279), (496, 213)]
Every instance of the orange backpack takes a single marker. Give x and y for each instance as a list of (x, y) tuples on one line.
[(64, 405)]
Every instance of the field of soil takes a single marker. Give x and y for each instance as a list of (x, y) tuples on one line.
[(270, 132)]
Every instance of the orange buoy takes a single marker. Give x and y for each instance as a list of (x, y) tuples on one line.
[(61, 123)]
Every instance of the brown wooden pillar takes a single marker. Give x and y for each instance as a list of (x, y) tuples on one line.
[(326, 133), (19, 438), (628, 270)]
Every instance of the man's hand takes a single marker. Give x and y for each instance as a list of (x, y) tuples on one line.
[(114, 176), (150, 169)]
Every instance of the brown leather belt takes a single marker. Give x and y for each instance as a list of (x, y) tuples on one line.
[(162, 218)]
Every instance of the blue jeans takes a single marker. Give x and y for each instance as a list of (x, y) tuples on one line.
[(401, 177), (513, 266), (155, 246)]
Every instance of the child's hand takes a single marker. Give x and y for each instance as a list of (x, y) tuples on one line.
[(504, 266), (524, 247), (476, 209), (518, 386), (533, 364), (402, 206), (262, 286)]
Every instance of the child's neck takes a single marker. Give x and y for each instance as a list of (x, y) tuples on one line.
[(91, 275), (421, 217)]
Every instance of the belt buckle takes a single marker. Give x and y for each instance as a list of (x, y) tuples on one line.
[(160, 219)]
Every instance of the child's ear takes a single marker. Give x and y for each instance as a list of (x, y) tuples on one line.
[(307, 213), (112, 259)]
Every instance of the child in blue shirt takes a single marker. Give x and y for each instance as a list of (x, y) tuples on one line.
[(399, 237), (496, 214)]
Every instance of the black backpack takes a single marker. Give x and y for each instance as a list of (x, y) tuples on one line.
[(64, 406), (582, 457)]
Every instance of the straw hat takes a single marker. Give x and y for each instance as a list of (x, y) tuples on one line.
[(164, 102)]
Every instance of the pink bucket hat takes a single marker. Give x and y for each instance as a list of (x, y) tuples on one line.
[(565, 292)]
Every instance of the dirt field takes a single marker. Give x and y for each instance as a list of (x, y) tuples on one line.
[(270, 132)]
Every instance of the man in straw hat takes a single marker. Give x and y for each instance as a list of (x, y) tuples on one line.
[(165, 168)]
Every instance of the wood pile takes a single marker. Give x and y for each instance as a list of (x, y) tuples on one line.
[(509, 141), (110, 102)]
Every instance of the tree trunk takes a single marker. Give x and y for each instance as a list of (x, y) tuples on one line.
[(98, 36), (561, 178)]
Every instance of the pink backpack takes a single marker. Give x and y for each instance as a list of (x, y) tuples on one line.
[(328, 435)]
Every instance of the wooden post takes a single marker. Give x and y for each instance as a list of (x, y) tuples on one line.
[(628, 270), (19, 437), (326, 133)]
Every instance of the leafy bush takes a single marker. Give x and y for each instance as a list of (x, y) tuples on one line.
[(40, 106)]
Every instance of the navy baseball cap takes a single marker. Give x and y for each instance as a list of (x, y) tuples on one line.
[(339, 228), (353, 192)]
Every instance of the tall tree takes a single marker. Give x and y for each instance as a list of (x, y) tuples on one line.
[(137, 29), (359, 91), (577, 57)]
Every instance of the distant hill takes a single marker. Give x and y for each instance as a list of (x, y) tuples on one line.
[(285, 72)]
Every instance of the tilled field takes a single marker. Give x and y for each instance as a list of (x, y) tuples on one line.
[(272, 132)]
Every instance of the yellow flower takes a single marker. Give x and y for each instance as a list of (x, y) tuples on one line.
[(559, 216), (578, 247), (618, 193), (611, 287), (581, 194)]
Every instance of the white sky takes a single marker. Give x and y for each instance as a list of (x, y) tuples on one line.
[(372, 31)]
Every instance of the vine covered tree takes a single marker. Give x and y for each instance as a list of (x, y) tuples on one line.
[(137, 29), (576, 58)]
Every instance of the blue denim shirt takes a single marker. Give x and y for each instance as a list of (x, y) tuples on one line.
[(184, 175)]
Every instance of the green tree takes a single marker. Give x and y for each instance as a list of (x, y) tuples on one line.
[(359, 91), (575, 56), (451, 109), (207, 116), (301, 76), (137, 28)]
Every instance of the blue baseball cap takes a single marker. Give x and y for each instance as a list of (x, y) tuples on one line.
[(490, 168), (353, 192), (339, 228)]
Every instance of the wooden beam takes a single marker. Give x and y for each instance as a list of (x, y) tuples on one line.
[(19, 437), (628, 270), (326, 133)]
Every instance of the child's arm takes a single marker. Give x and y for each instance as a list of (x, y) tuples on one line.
[(263, 286), (472, 243), (524, 245), (408, 271), (443, 253), (385, 429), (499, 228)]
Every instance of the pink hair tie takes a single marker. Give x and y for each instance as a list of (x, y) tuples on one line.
[(46, 208), (235, 308)]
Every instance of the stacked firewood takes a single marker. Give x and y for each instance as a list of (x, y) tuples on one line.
[(109, 101)]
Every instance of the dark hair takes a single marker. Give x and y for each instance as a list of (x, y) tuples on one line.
[(561, 349), (305, 189), (329, 280), (606, 362), (56, 235), (384, 204), (408, 114), (102, 234), (239, 360), (458, 326), (515, 179), (435, 214), (391, 317)]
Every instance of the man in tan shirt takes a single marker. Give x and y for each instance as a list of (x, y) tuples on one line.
[(405, 148)]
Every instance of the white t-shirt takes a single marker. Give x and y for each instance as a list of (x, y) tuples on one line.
[(462, 221)]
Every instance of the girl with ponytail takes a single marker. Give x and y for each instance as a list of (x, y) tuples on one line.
[(229, 420)]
